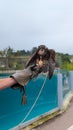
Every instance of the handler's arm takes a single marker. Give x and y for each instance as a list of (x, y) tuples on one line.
[(21, 77), (7, 82)]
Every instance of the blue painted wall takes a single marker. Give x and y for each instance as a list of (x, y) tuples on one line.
[(11, 110)]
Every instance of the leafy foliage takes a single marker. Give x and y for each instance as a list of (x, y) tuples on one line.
[(11, 59)]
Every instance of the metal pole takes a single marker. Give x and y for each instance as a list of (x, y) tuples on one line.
[(60, 91), (71, 80)]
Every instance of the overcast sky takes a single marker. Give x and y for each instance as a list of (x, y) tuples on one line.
[(25, 24)]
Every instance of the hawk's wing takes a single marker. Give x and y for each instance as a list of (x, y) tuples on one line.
[(32, 60), (51, 62)]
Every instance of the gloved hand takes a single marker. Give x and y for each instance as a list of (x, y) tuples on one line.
[(23, 76)]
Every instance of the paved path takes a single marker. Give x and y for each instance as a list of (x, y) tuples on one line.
[(61, 122)]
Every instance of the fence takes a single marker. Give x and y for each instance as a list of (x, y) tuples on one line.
[(43, 97)]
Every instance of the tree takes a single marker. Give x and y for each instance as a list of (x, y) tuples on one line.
[(8, 51)]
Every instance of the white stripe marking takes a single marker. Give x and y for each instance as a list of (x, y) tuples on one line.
[(70, 128)]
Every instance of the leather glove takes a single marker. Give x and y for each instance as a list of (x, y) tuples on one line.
[(23, 76)]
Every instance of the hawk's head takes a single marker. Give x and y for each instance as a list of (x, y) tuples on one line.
[(42, 50)]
